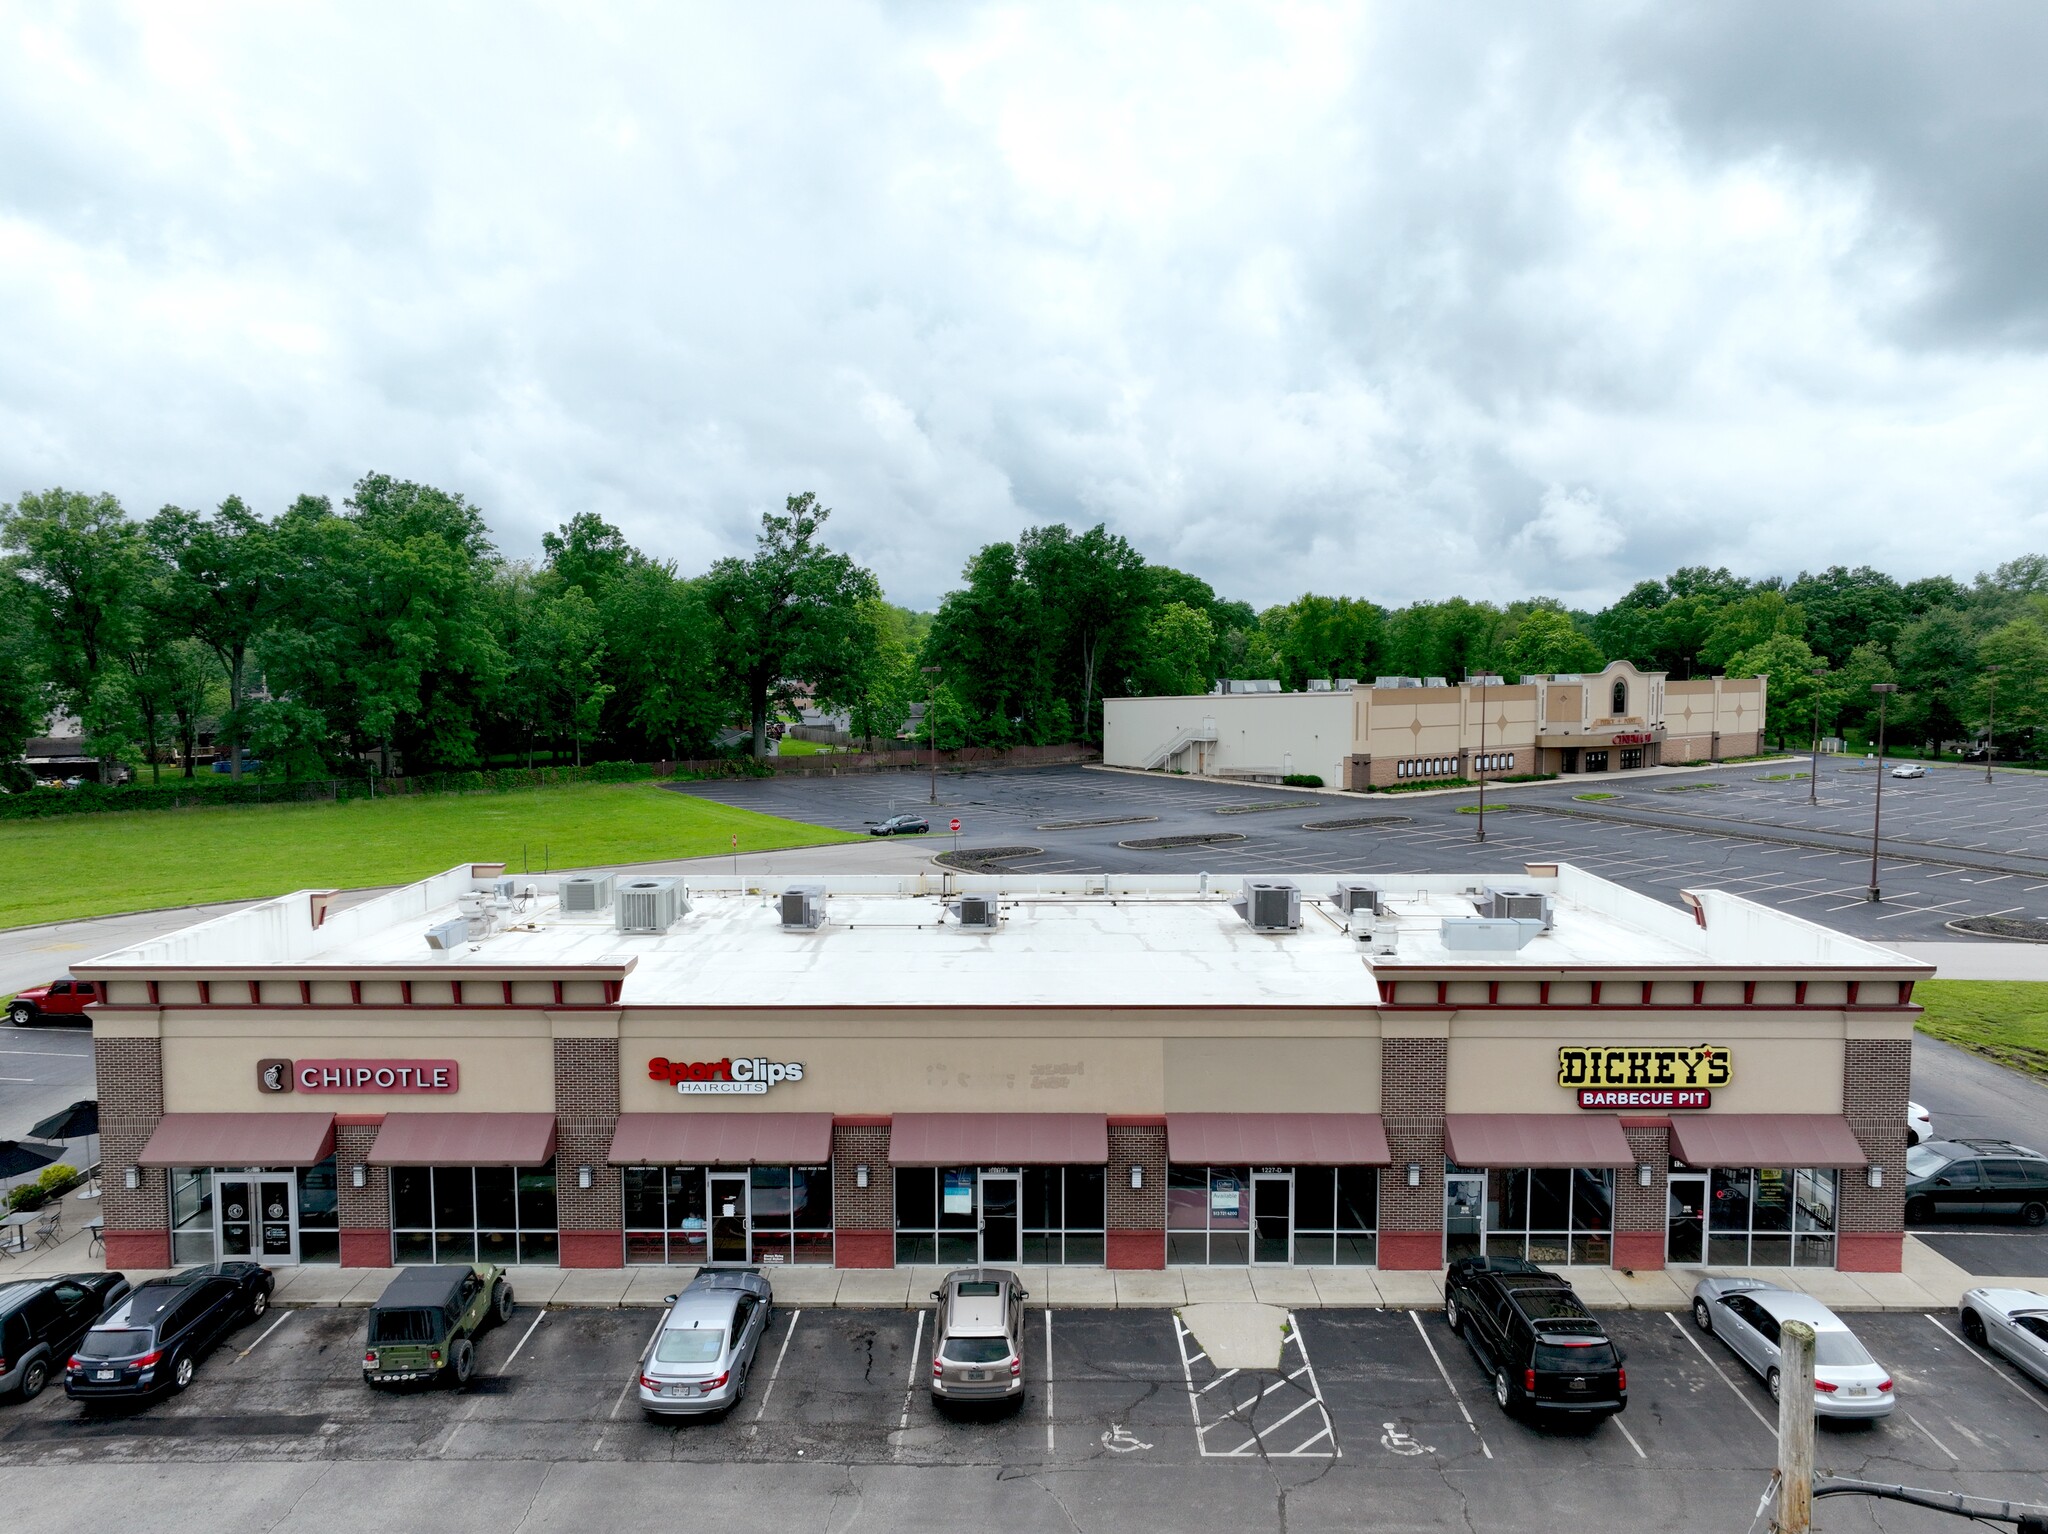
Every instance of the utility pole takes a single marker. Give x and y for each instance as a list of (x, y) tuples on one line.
[(1794, 1512), (1990, 714), (1813, 777), (1481, 678), (931, 725), (1884, 691)]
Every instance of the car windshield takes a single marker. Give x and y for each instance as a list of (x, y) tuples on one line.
[(109, 1342), (977, 1350), (1839, 1350), (1574, 1357), (1922, 1161), (693, 1345), (404, 1325)]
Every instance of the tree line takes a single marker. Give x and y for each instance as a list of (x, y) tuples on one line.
[(389, 633)]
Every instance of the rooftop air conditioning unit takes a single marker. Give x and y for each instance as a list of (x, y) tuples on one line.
[(1519, 905), (1355, 898), (1318, 684), (977, 913), (448, 935), (1489, 934), (649, 905), (505, 888), (587, 894), (803, 908), (1269, 906)]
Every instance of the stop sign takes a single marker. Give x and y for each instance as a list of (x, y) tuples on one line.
[(956, 824)]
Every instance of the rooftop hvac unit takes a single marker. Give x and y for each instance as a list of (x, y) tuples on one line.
[(803, 908), (977, 913), (1269, 906), (587, 894), (1355, 898), (1521, 905), (1489, 934), (479, 912), (505, 888), (649, 905), (1434, 681), (448, 935), (1318, 684), (1397, 681)]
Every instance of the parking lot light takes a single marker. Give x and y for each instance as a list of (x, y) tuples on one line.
[(1884, 691), (1990, 716)]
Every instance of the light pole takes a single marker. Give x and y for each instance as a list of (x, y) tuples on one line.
[(1813, 777), (1990, 714), (1884, 690), (931, 725), (1482, 677)]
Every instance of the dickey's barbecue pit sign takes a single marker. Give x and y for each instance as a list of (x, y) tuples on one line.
[(1614, 1076)]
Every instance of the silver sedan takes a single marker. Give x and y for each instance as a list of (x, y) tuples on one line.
[(2009, 1321), (699, 1361), (1747, 1314)]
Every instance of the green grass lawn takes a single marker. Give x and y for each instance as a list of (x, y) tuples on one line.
[(94, 865), (2002, 1020)]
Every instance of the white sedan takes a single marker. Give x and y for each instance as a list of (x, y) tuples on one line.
[(1910, 770), (1747, 1314), (1919, 1125), (2009, 1321)]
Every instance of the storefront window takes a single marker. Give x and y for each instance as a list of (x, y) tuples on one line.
[(1331, 1215), (1771, 1217), (1336, 1215), (1551, 1214), (1063, 1215), (1036, 1214), (319, 1214), (191, 1214), (787, 1218), (474, 1214)]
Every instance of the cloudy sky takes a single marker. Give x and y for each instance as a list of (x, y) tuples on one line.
[(1398, 301)]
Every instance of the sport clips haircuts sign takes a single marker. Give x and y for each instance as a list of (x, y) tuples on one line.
[(436, 1076), (724, 1078), (1638, 1076)]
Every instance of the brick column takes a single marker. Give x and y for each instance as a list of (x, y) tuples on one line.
[(365, 1212), (1412, 1105), (586, 1114), (863, 1219), (1639, 1212), (130, 1082), (1877, 1078), (1136, 1217)]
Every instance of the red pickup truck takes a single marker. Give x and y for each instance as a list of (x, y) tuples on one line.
[(61, 1001)]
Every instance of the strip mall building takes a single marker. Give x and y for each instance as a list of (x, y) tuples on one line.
[(1130, 1072)]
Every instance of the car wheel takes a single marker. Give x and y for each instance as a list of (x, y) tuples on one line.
[(33, 1378), (2035, 1214), (259, 1302), (1973, 1328), (462, 1360), (1501, 1393), (181, 1373), (501, 1302), (21, 1014), (1452, 1318), (1702, 1317), (1771, 1379), (1918, 1210)]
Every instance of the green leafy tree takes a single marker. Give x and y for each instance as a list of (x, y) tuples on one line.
[(2019, 649), (1748, 622), (588, 551), (1547, 642), (1789, 665), (991, 644), (1937, 661), (220, 584), (1177, 646), (661, 660), (1845, 608), (877, 695), (1318, 637), (1092, 587), (24, 688)]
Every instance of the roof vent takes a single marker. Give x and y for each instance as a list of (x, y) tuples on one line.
[(449, 935), (479, 910), (1489, 934), (1352, 899), (649, 905), (803, 908), (977, 913), (1269, 905), (587, 894)]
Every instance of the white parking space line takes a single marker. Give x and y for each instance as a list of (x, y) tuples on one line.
[(1456, 1396), (775, 1373), (2011, 1384), (632, 1379), (1232, 1421), (1616, 1420), (1048, 1379), (252, 1347), (910, 1385), (1951, 1453), (1768, 1425), (542, 1316)]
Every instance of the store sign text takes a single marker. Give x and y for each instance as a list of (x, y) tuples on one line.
[(436, 1076), (724, 1078), (1626, 1066), (1645, 1097)]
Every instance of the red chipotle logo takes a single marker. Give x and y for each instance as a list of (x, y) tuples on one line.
[(724, 1078)]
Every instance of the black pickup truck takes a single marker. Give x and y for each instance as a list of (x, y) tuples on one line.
[(1549, 1356)]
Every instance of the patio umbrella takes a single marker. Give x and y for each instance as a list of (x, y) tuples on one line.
[(80, 1121), (20, 1157)]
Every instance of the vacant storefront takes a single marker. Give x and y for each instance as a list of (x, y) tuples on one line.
[(725, 1188), (1273, 1189), (997, 1188)]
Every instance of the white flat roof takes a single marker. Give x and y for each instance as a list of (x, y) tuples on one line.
[(1064, 940)]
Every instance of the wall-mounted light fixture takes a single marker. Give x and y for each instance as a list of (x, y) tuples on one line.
[(1642, 1174), (1137, 1177), (131, 1179), (358, 1175), (860, 1176), (583, 1177), (1875, 1175), (1414, 1174)]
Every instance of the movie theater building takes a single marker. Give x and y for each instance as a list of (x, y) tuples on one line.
[(1086, 1070)]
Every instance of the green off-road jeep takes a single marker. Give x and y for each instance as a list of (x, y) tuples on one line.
[(425, 1324)]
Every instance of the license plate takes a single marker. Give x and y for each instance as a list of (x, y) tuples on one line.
[(1855, 1390), (977, 1374), (103, 1374), (676, 1390)]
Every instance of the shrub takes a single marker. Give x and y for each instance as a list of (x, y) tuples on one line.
[(1302, 780)]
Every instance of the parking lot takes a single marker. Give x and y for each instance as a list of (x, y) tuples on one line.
[(1374, 1416)]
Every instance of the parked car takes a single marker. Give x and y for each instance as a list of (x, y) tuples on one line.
[(2009, 1321), (61, 1001), (43, 1319), (978, 1336), (1909, 770), (425, 1324), (1548, 1354), (899, 825), (1748, 1314), (699, 1361), (1992, 1179), (1919, 1125), (153, 1340)]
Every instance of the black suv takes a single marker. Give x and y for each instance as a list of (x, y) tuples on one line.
[(41, 1320), (153, 1340), (1993, 1179), (1548, 1354)]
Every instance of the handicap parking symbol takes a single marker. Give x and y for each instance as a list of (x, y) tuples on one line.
[(1121, 1440), (1394, 1441)]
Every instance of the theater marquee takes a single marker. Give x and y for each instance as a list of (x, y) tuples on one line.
[(1614, 1076)]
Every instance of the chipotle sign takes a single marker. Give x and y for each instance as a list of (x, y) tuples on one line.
[(441, 1077)]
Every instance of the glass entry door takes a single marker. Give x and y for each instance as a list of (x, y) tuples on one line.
[(1685, 1225), (256, 1214), (1464, 1215), (1000, 1209), (1272, 1217), (728, 1217)]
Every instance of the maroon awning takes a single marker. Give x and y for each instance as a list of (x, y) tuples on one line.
[(1765, 1139), (1536, 1139), (722, 1139), (998, 1139), (1277, 1139), (240, 1139), (464, 1139)]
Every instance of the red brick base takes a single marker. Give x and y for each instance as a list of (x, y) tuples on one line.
[(1640, 1250), (864, 1249), (1411, 1250), (1135, 1249), (1871, 1253), (593, 1249), (138, 1249), (366, 1249)]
